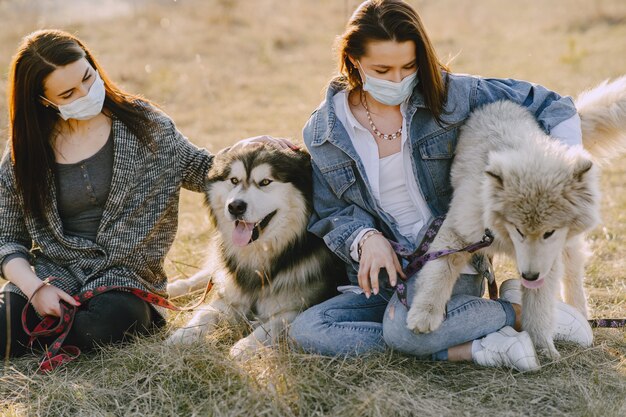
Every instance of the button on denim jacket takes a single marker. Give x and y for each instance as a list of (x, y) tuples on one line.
[(342, 197)]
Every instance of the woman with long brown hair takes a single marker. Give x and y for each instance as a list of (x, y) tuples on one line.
[(382, 144), (89, 190)]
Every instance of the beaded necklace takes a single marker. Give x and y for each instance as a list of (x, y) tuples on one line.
[(377, 132)]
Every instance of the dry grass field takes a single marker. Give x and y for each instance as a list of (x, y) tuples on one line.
[(228, 69)]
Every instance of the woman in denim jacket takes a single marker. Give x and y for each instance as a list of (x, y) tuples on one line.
[(382, 144)]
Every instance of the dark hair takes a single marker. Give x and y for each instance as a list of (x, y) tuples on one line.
[(395, 20), (31, 123)]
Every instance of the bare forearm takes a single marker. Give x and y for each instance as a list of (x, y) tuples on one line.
[(19, 272)]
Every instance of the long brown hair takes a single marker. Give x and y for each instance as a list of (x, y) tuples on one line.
[(392, 20), (31, 123)]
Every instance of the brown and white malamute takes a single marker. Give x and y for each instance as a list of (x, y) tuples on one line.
[(263, 262)]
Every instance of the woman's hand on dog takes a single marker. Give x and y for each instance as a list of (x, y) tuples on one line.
[(281, 143), (377, 253)]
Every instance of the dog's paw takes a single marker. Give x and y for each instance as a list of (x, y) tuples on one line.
[(185, 336), (424, 319), (550, 351), (245, 348), (177, 288), (545, 346), (553, 354)]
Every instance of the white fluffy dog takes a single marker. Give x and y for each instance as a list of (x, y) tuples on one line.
[(536, 195)]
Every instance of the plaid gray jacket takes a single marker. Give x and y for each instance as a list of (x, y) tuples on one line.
[(138, 224)]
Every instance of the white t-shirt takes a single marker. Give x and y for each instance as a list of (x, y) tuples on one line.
[(401, 198), (395, 198)]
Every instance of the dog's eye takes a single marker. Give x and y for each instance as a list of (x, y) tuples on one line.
[(265, 182), (520, 233), (234, 181), (548, 234)]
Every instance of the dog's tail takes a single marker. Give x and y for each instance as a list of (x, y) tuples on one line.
[(602, 112)]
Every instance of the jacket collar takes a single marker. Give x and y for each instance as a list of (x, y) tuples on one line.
[(326, 115)]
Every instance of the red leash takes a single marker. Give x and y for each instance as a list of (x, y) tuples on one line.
[(57, 354)]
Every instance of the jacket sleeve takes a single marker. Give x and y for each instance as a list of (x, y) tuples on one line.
[(194, 162), (550, 109), (14, 236), (336, 221)]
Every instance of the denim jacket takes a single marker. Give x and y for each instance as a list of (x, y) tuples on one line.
[(342, 196)]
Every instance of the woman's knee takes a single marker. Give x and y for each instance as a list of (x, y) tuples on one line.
[(398, 337), (395, 331), (109, 318), (394, 328)]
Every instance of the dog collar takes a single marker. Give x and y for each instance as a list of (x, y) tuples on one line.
[(258, 228)]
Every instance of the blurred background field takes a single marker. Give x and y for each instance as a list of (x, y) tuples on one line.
[(229, 69)]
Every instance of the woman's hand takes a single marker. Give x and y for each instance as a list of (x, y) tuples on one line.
[(377, 253), (47, 299), (280, 143), (44, 297)]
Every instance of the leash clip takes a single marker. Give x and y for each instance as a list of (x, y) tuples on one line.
[(487, 237)]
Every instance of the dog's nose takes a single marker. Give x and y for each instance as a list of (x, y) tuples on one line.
[(237, 207), (530, 276)]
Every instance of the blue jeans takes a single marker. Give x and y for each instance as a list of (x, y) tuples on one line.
[(351, 324)]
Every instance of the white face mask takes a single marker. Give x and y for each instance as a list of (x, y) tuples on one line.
[(389, 92), (86, 107)]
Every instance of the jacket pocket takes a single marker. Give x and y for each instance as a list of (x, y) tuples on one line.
[(437, 154), (339, 177)]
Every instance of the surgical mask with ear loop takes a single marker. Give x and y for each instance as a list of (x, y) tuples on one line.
[(388, 92), (86, 107)]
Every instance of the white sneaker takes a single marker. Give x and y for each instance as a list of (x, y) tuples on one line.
[(508, 348), (570, 325)]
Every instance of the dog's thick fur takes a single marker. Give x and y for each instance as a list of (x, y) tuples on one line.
[(271, 271), (536, 195)]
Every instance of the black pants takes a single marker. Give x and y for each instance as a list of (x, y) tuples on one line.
[(107, 318)]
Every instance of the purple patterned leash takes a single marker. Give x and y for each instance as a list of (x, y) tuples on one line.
[(418, 259), (610, 323)]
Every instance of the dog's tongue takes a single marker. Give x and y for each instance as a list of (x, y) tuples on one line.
[(242, 233), (532, 284)]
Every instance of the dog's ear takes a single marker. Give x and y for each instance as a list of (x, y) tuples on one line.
[(582, 167), (582, 193), (496, 161), (225, 150), (496, 175), (220, 169)]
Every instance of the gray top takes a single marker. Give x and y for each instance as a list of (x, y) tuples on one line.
[(82, 190)]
